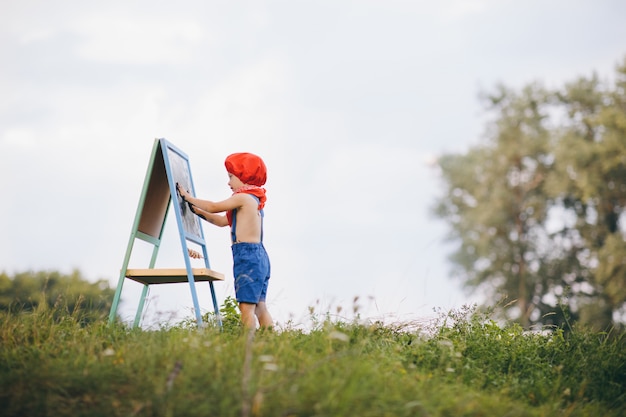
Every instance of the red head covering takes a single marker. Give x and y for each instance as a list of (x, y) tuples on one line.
[(249, 168)]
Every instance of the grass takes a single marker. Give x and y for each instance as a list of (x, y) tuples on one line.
[(464, 364)]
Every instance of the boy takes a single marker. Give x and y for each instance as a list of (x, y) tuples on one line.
[(244, 214)]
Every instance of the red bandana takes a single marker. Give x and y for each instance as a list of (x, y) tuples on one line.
[(248, 167), (248, 189)]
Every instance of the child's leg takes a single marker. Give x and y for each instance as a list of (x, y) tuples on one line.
[(264, 316), (247, 315)]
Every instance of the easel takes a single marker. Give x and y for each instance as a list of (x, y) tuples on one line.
[(168, 165)]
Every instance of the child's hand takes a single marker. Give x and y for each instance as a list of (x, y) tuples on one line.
[(194, 254), (182, 192)]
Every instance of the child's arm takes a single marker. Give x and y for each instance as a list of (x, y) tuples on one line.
[(216, 219), (207, 209)]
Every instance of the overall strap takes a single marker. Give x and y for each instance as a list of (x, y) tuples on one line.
[(233, 228)]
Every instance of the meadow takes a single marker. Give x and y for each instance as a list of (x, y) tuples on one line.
[(56, 363)]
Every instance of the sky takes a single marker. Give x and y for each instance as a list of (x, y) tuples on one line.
[(348, 102)]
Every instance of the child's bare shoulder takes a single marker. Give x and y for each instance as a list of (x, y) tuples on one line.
[(249, 200), (241, 200)]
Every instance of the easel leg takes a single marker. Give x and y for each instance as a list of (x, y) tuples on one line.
[(218, 317), (142, 301), (194, 297), (116, 298)]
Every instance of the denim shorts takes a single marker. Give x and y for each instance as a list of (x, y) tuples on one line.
[(251, 269)]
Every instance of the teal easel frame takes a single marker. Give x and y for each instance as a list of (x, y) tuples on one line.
[(168, 165)]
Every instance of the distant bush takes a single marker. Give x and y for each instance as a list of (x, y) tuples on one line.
[(71, 294)]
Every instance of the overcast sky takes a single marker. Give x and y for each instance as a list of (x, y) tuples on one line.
[(348, 102)]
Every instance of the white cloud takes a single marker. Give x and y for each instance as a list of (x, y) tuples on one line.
[(362, 179), (145, 41), (19, 137), (459, 9), (36, 35), (245, 110)]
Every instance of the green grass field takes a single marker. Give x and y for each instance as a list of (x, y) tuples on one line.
[(463, 364)]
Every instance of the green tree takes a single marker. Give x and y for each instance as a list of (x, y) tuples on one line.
[(27, 291), (539, 207), (495, 203), (590, 182)]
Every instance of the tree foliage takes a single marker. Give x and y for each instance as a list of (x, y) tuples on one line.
[(28, 291), (538, 208)]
